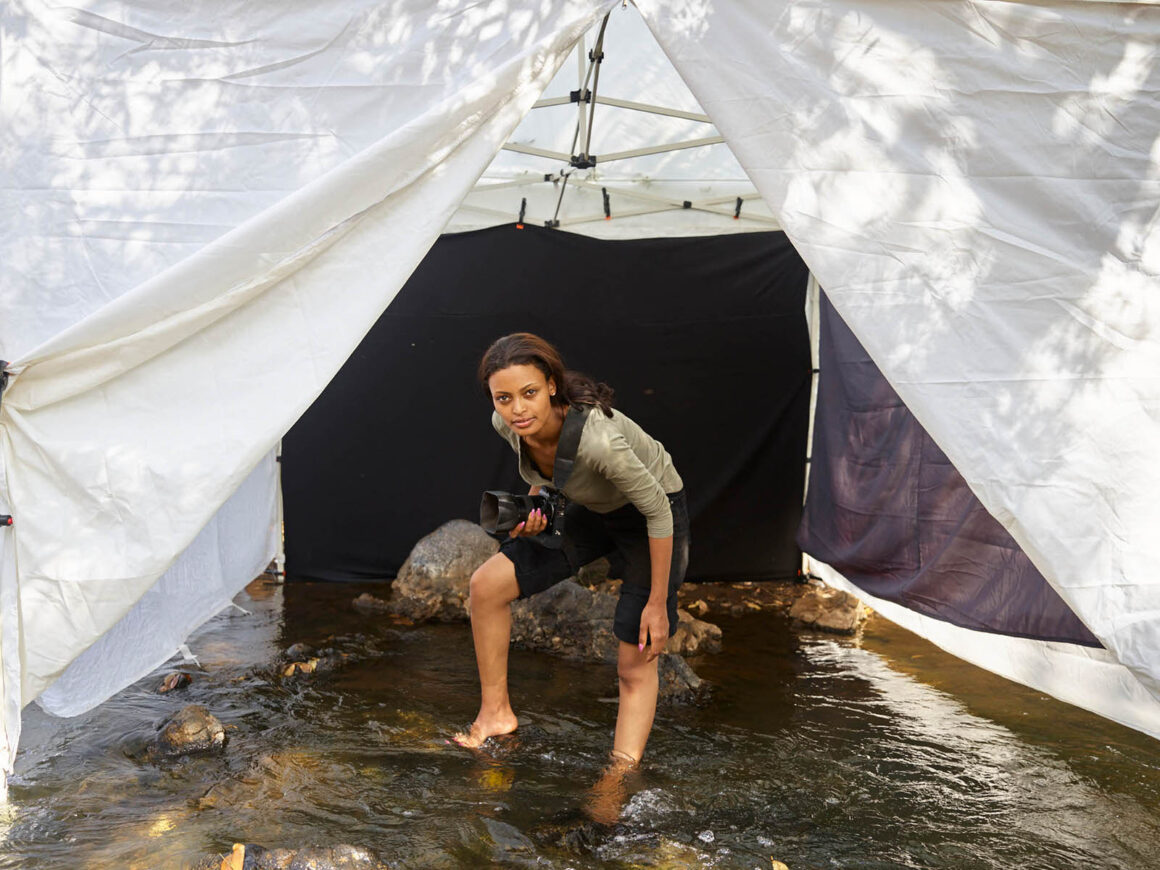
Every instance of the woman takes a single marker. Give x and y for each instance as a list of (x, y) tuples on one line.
[(626, 501)]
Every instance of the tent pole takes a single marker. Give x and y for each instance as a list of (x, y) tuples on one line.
[(813, 314), (661, 149), (582, 79), (280, 557)]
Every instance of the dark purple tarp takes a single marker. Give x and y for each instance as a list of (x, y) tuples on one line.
[(886, 509)]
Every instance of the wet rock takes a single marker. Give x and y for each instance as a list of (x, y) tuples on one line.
[(829, 610), (570, 620), (330, 654), (191, 730), (679, 683), (265, 782), (328, 661), (172, 682), (576, 622), (368, 603), (698, 607), (433, 582), (299, 651), (694, 636), (507, 839), (252, 857), (595, 573)]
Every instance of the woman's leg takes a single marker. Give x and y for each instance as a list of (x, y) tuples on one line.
[(493, 589), (638, 701)]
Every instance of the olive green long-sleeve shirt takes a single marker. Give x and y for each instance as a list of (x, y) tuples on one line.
[(617, 463)]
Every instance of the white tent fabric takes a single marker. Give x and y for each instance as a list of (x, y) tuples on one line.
[(192, 184), (332, 142), (976, 186)]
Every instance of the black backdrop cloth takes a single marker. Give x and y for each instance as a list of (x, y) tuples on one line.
[(703, 339), (888, 510)]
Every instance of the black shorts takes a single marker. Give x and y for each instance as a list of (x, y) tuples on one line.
[(622, 536)]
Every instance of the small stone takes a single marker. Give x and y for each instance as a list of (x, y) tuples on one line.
[(236, 860), (829, 609), (368, 603), (694, 636), (299, 651), (191, 730), (309, 858), (174, 681), (295, 668), (698, 607), (706, 836), (774, 864)]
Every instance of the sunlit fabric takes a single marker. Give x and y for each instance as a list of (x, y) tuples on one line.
[(975, 184), (206, 206)]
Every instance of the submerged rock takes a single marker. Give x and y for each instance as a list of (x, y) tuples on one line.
[(694, 636), (192, 729), (434, 580), (368, 603), (570, 620), (252, 857), (299, 651), (829, 610), (330, 654), (173, 682), (679, 683), (576, 622)]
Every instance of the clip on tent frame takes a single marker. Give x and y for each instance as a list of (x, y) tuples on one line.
[(5, 519)]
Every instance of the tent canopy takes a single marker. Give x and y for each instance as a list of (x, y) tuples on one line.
[(207, 205)]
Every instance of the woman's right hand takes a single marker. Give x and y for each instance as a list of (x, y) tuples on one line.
[(533, 525)]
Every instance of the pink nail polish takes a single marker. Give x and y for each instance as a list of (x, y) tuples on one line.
[(640, 647)]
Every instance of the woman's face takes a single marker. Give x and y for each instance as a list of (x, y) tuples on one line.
[(523, 397)]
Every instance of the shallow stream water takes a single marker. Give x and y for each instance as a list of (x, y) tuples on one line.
[(820, 752)]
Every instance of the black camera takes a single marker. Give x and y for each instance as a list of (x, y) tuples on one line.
[(500, 512)]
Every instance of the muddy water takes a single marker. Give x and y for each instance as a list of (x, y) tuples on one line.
[(815, 751)]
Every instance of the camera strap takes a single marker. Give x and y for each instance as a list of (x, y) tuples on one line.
[(566, 449), (568, 445)]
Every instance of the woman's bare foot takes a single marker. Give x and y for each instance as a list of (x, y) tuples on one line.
[(487, 725), (609, 794)]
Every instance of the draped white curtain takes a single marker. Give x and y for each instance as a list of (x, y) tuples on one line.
[(976, 185), (209, 204)]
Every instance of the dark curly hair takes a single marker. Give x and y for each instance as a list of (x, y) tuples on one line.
[(524, 348)]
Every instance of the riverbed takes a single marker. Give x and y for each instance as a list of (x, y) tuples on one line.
[(821, 752)]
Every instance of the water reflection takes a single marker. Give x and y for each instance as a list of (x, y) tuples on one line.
[(814, 751)]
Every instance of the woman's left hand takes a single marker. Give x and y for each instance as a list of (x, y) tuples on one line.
[(654, 629)]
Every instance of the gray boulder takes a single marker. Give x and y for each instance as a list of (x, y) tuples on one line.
[(434, 581), (570, 620), (576, 622), (830, 610), (191, 730)]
